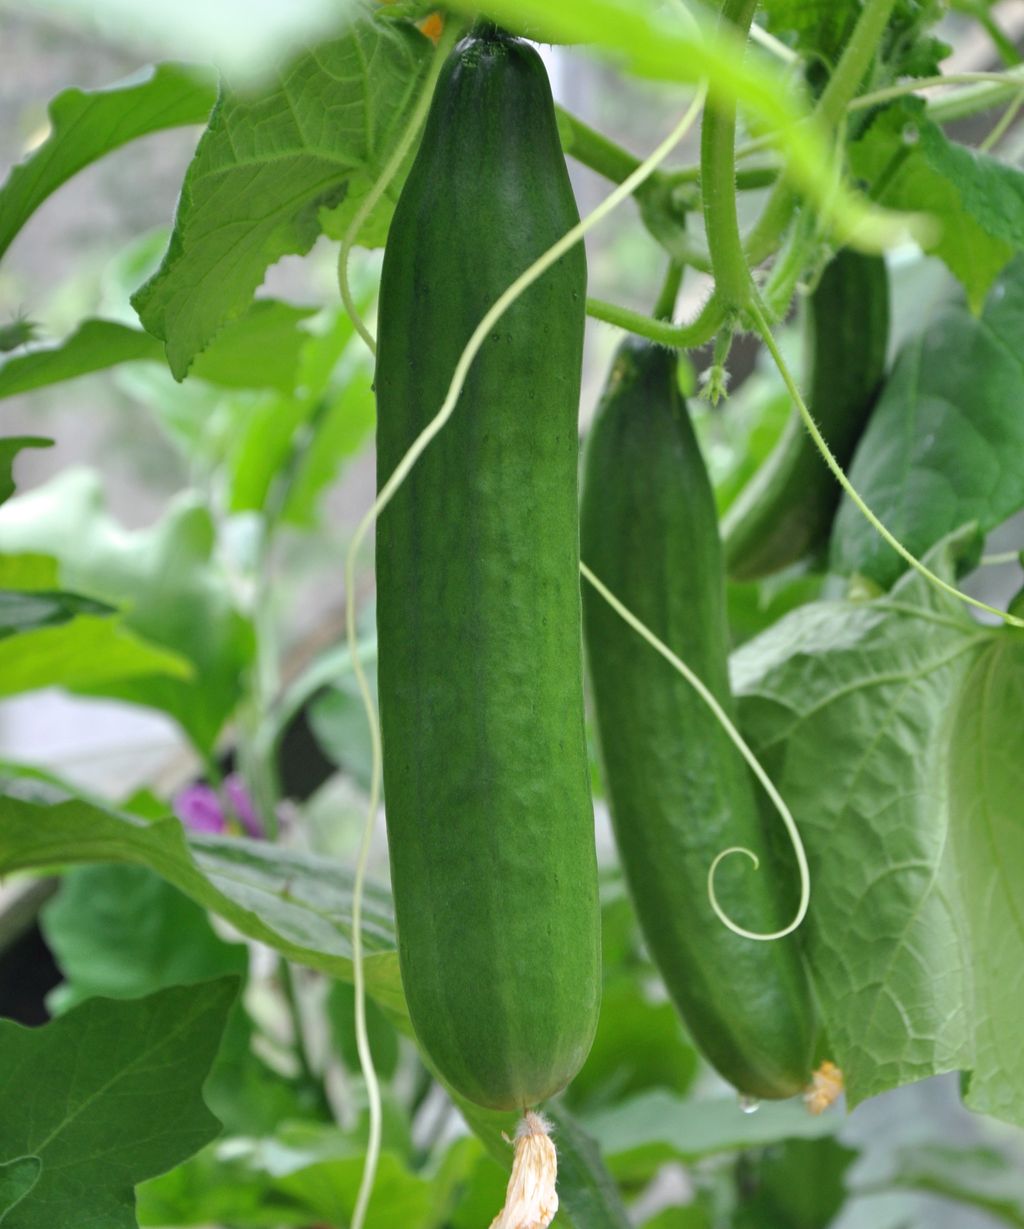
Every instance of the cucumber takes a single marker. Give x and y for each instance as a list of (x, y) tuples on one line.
[(489, 814), (679, 791), (785, 511)]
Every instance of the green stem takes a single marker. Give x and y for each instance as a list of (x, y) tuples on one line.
[(1003, 124), (718, 179), (854, 63), (310, 1078), (593, 149), (990, 89), (831, 110), (665, 306), (676, 336)]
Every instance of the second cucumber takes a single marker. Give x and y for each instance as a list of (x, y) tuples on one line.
[(679, 791)]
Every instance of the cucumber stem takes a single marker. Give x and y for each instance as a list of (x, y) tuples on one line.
[(718, 179), (593, 149), (675, 336)]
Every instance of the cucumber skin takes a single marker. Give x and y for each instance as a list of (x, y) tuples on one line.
[(678, 790), (786, 510), (489, 813)]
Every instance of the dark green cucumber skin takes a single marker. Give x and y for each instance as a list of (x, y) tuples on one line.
[(678, 790), (489, 814), (786, 510)]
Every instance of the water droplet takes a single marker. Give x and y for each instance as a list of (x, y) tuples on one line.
[(749, 1105), (911, 134)]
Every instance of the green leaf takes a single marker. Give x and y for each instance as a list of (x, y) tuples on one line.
[(799, 1185), (107, 1096), (174, 592), (978, 201), (297, 903), (942, 447), (294, 446), (29, 573), (986, 784), (913, 834), (299, 1176), (259, 350), (123, 932), (86, 124), (976, 1177), (639, 1135), (10, 446), (273, 169), (17, 1178), (85, 651), (262, 349), (22, 612), (94, 346)]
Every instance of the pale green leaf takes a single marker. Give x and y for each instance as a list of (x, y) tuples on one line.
[(977, 201), (67, 649), (269, 169), (86, 124)]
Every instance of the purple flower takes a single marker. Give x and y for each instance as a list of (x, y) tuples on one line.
[(202, 809)]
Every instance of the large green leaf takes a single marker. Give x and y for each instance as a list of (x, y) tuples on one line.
[(175, 594), (274, 168), (872, 718), (105, 1097), (944, 443), (86, 124)]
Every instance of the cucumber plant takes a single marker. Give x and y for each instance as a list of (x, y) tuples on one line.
[(875, 728)]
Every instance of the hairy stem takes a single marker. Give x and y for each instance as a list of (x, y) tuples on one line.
[(593, 149), (718, 180), (675, 336)]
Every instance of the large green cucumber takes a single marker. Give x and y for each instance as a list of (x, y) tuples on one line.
[(786, 510), (490, 820), (678, 789)]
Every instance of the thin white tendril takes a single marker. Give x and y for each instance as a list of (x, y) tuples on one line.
[(738, 741), (761, 325), (384, 497), (398, 156)]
